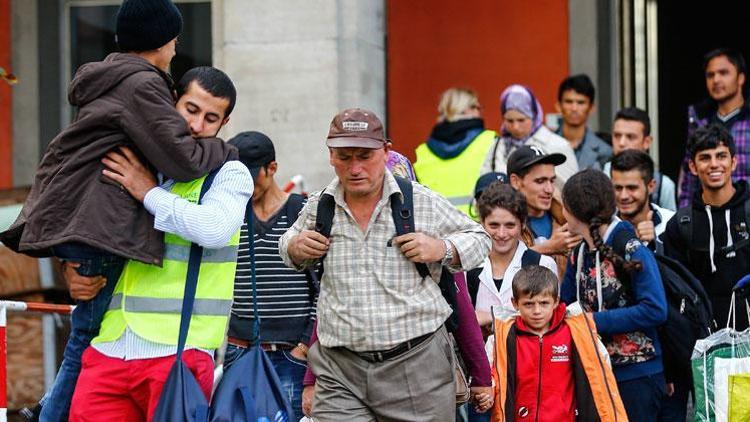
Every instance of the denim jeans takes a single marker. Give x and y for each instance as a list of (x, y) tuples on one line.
[(643, 397), (289, 369), (84, 325)]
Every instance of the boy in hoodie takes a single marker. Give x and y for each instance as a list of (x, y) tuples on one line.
[(87, 220), (710, 236), (548, 364)]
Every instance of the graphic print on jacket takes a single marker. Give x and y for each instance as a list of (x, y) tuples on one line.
[(624, 348)]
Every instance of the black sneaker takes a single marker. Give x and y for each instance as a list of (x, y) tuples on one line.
[(31, 415)]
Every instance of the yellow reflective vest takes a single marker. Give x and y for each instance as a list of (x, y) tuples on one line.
[(148, 298), (454, 177)]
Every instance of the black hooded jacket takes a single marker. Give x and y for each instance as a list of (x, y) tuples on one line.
[(694, 253)]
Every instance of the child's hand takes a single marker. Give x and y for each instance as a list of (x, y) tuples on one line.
[(80, 287)]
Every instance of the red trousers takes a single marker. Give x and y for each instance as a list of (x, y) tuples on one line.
[(110, 389)]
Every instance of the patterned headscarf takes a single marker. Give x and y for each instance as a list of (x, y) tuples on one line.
[(400, 166), (519, 98)]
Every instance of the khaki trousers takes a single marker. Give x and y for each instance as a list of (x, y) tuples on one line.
[(416, 386)]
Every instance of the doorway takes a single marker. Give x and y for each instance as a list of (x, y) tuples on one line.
[(687, 31)]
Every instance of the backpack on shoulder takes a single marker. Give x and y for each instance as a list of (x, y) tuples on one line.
[(689, 314), (403, 218)]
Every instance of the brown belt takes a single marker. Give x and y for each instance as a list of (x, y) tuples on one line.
[(268, 347)]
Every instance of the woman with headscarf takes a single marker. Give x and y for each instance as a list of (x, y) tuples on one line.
[(522, 125), (449, 162)]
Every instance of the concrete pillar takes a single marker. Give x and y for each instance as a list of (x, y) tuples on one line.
[(26, 92), (295, 65)]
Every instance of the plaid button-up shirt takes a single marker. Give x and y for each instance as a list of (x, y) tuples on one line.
[(371, 297), (699, 116)]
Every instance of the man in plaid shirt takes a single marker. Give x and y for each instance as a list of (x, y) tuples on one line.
[(383, 352), (725, 73)]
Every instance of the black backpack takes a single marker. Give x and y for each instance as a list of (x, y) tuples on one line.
[(689, 314), (403, 219)]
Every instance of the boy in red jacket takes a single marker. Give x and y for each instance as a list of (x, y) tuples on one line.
[(548, 365)]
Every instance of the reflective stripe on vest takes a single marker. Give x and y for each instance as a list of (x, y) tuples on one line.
[(455, 177), (215, 307), (148, 299)]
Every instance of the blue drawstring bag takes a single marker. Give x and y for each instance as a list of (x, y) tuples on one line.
[(181, 398), (250, 389)]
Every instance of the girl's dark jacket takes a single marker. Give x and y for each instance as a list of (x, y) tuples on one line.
[(121, 101)]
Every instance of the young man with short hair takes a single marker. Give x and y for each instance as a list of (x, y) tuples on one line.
[(286, 298), (575, 102), (128, 362), (532, 172), (709, 236), (632, 130), (725, 74), (633, 180)]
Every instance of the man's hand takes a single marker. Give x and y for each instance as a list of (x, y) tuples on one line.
[(561, 242), (127, 170), (419, 247), (482, 398), (307, 245), (80, 287), (307, 399), (645, 229)]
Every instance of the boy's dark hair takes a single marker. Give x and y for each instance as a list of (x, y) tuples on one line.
[(533, 280), (734, 57), (710, 137), (634, 159), (501, 195), (213, 80), (637, 115), (580, 83), (589, 196)]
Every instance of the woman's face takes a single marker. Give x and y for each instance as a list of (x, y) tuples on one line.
[(504, 230), (517, 124), (575, 225)]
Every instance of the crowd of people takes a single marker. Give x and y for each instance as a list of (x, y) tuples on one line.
[(506, 275)]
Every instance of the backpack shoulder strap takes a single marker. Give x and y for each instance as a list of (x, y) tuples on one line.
[(294, 206), (403, 215), (324, 216), (530, 257), (684, 218), (494, 152)]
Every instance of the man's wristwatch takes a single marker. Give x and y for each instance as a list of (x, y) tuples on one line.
[(448, 258)]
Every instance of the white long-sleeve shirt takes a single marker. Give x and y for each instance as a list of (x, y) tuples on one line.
[(210, 224)]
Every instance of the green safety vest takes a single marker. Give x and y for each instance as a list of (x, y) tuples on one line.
[(148, 298), (454, 177)]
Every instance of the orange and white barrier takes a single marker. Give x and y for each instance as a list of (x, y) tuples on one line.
[(297, 181)]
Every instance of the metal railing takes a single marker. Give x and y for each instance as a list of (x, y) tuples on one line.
[(18, 306)]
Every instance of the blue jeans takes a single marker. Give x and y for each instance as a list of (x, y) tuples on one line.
[(643, 397), (290, 370), (84, 325)]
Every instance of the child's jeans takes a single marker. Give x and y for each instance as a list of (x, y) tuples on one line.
[(84, 324)]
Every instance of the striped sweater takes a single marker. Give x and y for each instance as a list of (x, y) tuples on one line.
[(286, 298)]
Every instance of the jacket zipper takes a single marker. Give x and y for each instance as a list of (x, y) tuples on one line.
[(539, 386)]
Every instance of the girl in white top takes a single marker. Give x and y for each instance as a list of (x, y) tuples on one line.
[(503, 213)]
